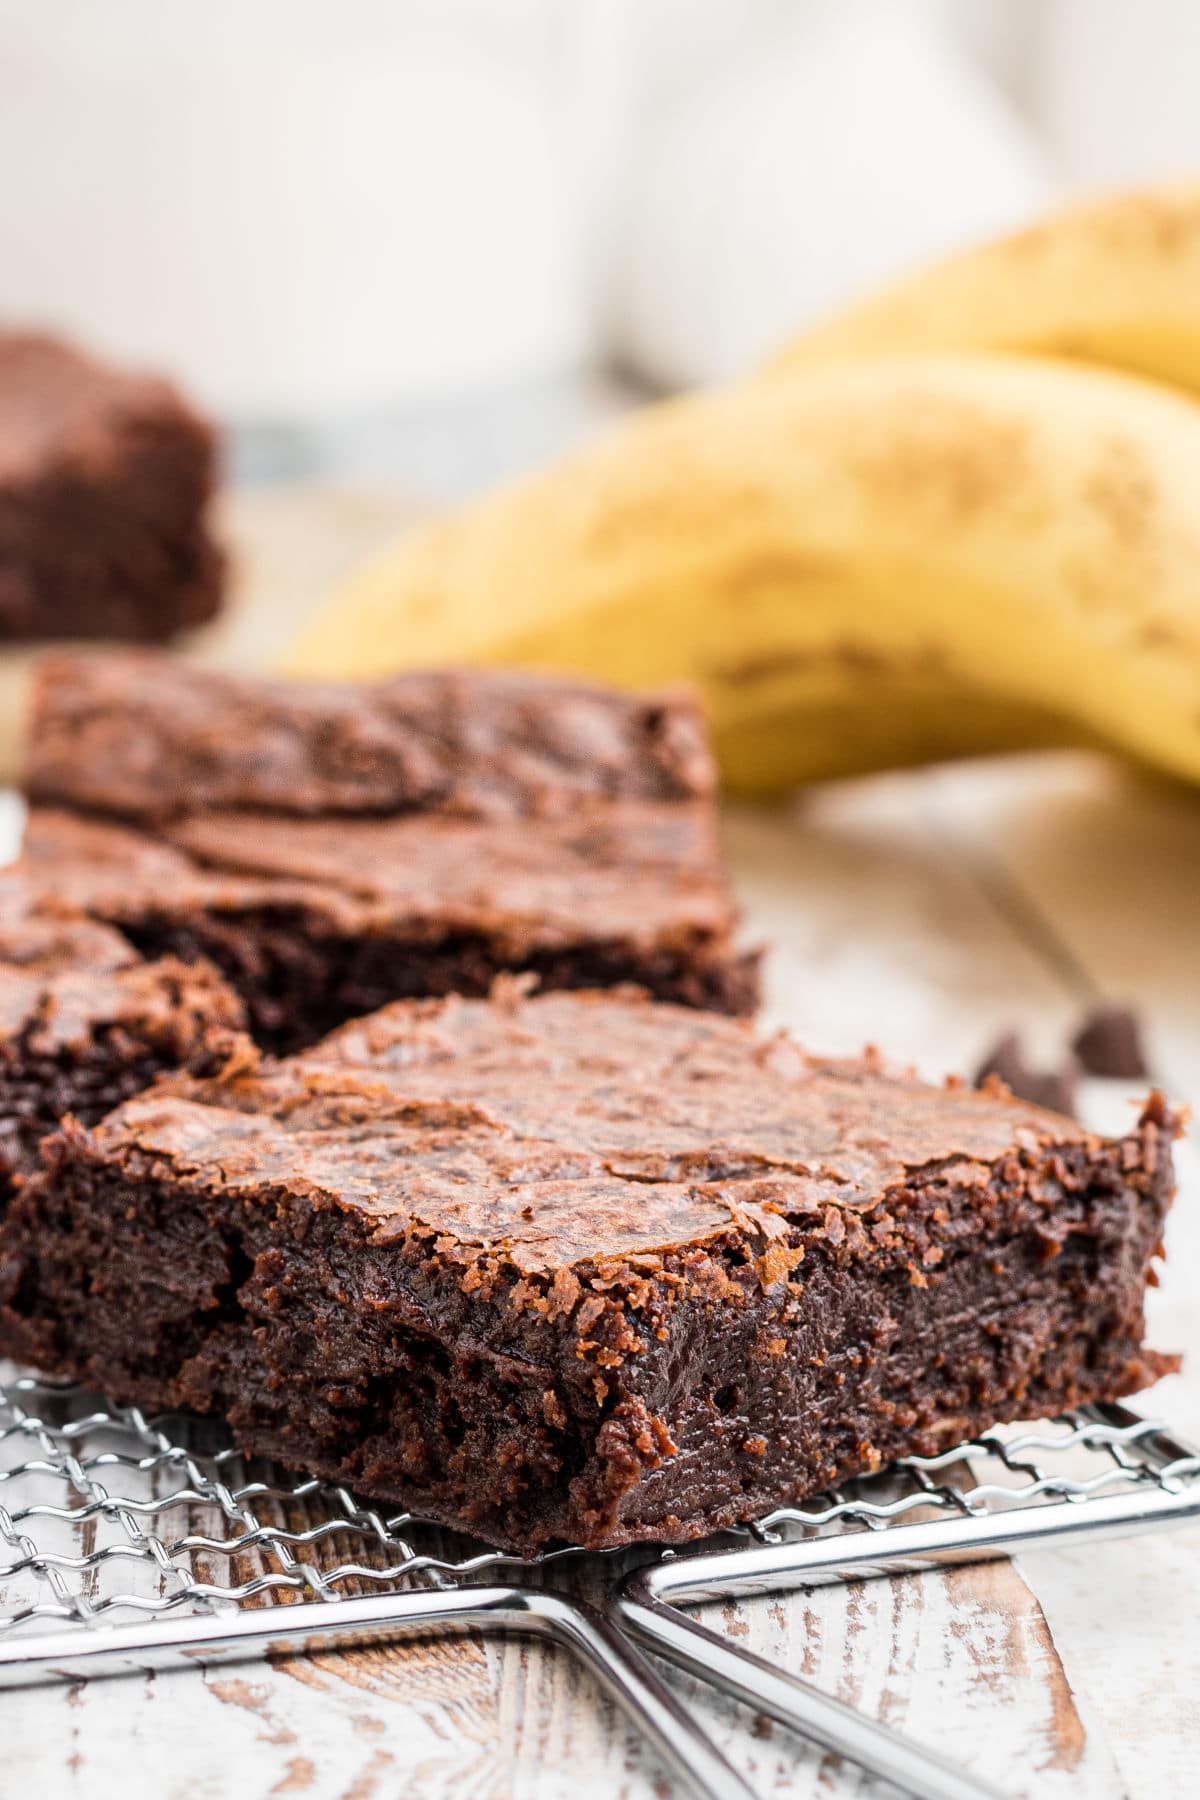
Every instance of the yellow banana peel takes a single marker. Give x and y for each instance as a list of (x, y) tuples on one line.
[(1114, 281)]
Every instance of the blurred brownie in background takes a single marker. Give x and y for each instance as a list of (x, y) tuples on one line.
[(105, 482), (333, 848)]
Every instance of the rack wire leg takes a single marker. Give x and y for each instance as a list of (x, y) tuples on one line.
[(794, 1702)]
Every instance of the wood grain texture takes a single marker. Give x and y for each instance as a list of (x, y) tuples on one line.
[(926, 912)]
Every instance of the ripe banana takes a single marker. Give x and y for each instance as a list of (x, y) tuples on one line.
[(1116, 281), (872, 562)]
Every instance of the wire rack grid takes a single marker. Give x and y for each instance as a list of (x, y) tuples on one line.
[(128, 1542)]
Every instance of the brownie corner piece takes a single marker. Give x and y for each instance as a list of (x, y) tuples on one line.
[(586, 1268), (106, 479), (85, 1024)]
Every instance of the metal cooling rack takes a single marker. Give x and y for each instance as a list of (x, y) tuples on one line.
[(129, 1543)]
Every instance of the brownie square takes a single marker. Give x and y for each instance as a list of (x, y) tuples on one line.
[(585, 1268), (332, 849), (144, 737), (85, 1024), (105, 483)]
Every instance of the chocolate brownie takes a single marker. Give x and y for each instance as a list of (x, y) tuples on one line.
[(84, 1024), (587, 1268), (144, 736), (333, 849), (105, 482)]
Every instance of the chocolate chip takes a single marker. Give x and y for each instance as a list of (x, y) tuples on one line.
[(1109, 1042), (1005, 1059), (1054, 1089)]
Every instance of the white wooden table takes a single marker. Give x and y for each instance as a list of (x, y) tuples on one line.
[(925, 912)]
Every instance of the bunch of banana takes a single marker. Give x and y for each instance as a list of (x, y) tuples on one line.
[(860, 562), (870, 562), (1115, 282)]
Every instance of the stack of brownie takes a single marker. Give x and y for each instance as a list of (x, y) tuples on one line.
[(334, 848), (204, 853), (555, 1265)]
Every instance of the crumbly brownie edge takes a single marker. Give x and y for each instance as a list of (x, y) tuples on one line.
[(197, 1028), (656, 1398)]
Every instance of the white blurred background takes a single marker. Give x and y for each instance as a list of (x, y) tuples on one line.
[(417, 237)]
